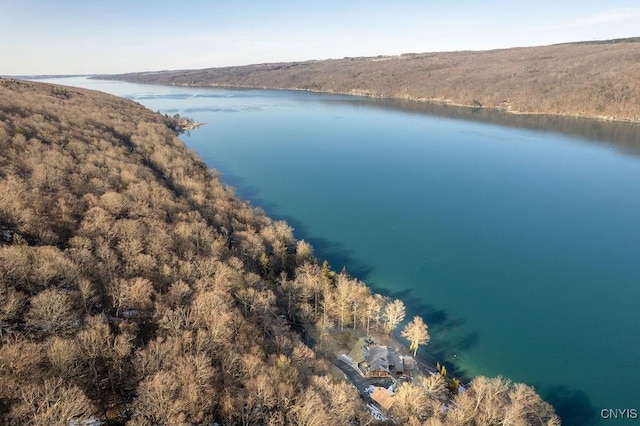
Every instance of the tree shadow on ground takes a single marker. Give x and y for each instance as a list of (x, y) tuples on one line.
[(572, 405), (335, 253), (449, 341), (243, 189), (449, 338)]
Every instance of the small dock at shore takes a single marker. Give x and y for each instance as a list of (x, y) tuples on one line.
[(190, 125), (182, 124)]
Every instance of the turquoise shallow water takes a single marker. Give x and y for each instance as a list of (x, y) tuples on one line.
[(520, 247)]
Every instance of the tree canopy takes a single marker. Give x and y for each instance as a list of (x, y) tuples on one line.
[(416, 332)]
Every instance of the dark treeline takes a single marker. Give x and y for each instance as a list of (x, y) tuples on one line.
[(136, 288)]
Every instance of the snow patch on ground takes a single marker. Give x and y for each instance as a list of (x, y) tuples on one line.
[(91, 421), (376, 413)]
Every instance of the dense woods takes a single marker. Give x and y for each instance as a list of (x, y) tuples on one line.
[(136, 288), (589, 79)]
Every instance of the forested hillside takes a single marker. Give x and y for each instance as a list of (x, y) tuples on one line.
[(136, 288), (131, 286), (589, 79)]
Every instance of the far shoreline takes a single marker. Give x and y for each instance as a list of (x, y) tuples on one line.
[(603, 118), (599, 129), (370, 95)]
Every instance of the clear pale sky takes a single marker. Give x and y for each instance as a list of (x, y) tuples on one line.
[(112, 36)]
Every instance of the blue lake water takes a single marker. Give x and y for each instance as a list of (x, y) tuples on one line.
[(518, 244)]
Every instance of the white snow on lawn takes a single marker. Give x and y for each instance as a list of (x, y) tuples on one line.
[(376, 413)]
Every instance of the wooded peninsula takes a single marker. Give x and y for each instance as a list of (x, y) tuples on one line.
[(598, 79), (136, 288)]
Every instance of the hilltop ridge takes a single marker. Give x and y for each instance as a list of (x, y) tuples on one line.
[(598, 79)]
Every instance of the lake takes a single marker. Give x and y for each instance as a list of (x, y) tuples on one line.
[(517, 238)]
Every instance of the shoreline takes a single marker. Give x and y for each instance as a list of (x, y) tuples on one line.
[(443, 102), (430, 367), (371, 95), (425, 367)]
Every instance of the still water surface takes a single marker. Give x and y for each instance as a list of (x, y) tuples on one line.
[(519, 245)]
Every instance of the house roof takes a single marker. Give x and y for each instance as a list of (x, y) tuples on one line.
[(395, 360), (383, 397), (377, 357), (400, 362), (409, 363)]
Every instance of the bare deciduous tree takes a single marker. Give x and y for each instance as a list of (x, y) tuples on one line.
[(158, 400), (416, 332), (498, 401), (12, 303), (411, 404), (135, 294), (63, 356), (304, 252), (435, 386), (19, 361), (394, 313), (181, 394), (310, 410), (51, 312), (53, 402)]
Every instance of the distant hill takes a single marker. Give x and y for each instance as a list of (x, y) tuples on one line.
[(43, 76), (589, 79)]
